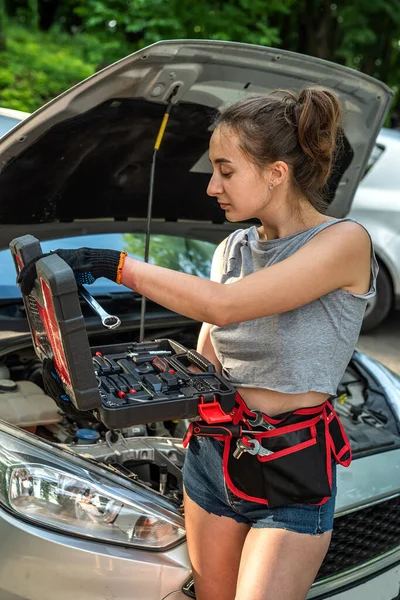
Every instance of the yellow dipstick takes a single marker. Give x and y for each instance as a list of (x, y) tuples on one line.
[(161, 132)]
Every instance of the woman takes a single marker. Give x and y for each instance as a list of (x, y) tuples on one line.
[(282, 331)]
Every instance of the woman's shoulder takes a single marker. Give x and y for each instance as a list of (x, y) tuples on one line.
[(348, 248), (344, 229)]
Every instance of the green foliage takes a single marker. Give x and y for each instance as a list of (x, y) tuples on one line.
[(37, 67), (366, 30), (48, 45), (146, 21)]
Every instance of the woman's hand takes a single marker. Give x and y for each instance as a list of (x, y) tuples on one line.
[(87, 264)]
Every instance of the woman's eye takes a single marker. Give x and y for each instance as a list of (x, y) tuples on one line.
[(226, 175)]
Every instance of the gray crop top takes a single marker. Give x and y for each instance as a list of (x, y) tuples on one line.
[(306, 349)]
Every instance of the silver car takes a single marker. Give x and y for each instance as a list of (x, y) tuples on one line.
[(376, 206), (99, 515)]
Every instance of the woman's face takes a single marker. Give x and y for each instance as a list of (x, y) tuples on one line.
[(240, 188)]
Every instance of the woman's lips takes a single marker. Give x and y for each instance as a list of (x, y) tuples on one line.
[(223, 206)]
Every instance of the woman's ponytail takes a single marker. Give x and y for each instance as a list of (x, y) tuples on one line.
[(319, 120)]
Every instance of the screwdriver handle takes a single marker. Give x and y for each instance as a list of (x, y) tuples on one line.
[(227, 430), (224, 430)]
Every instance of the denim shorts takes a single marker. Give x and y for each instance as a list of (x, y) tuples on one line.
[(205, 485)]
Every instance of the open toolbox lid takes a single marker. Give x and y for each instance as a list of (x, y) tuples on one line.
[(55, 319), (121, 385)]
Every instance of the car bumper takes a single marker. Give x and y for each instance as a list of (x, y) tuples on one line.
[(385, 586), (36, 564)]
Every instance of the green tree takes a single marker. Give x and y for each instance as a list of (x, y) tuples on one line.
[(146, 21), (362, 35), (36, 68), (369, 37)]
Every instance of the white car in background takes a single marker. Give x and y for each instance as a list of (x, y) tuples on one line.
[(377, 206)]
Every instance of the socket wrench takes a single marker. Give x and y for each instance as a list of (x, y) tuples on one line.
[(109, 321)]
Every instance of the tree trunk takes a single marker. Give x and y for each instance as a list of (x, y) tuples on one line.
[(47, 13), (318, 22), (323, 23)]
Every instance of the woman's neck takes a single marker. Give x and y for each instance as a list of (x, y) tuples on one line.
[(287, 220)]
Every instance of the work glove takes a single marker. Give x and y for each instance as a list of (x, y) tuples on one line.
[(87, 264)]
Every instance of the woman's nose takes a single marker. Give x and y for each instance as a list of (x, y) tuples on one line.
[(214, 187)]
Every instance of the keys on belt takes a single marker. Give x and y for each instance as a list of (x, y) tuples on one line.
[(251, 446), (243, 444)]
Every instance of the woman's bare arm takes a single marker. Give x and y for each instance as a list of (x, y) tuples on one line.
[(338, 257)]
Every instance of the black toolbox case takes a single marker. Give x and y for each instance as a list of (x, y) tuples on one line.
[(123, 384)]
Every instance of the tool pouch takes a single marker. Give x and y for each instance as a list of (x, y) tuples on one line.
[(299, 468)]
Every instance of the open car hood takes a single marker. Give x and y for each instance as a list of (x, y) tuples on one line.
[(82, 162)]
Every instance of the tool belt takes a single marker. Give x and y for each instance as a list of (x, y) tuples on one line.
[(282, 460)]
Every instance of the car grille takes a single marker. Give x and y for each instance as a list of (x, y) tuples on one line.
[(357, 538), (361, 536)]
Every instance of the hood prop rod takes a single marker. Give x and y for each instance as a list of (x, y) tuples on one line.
[(150, 200)]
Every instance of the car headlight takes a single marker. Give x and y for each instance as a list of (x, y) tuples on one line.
[(51, 488)]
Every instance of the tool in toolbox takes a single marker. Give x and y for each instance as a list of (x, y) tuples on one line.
[(122, 384)]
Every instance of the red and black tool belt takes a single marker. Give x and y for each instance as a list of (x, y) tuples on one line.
[(282, 460)]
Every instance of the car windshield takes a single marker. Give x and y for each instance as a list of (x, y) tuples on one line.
[(178, 253), (7, 123)]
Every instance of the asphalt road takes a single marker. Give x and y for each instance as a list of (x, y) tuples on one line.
[(383, 343)]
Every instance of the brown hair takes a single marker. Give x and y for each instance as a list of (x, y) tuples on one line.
[(301, 129)]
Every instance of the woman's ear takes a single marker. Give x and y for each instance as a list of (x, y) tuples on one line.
[(278, 172)]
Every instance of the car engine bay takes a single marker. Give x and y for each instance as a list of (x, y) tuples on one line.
[(152, 454)]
